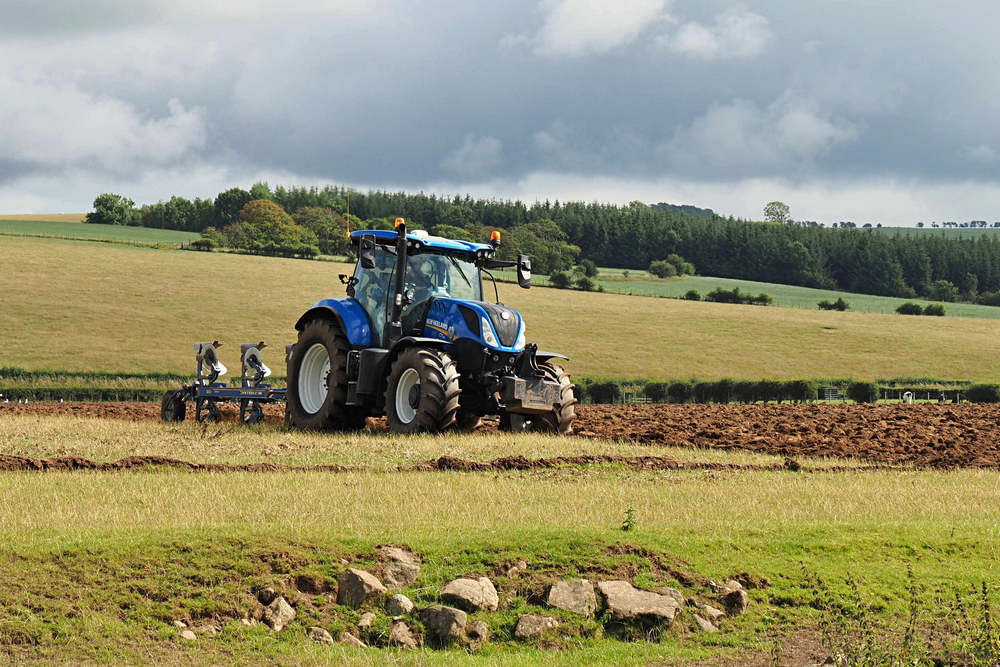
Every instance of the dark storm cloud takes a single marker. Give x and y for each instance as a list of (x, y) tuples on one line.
[(408, 94)]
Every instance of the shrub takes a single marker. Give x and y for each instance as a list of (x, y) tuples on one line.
[(679, 392), (559, 279), (702, 392), (662, 269), (692, 295), (762, 299), (203, 245), (723, 391), (863, 392), (935, 309), (656, 391), (745, 391), (910, 308), (989, 299), (683, 267), (768, 390), (839, 304), (983, 393), (607, 391), (589, 268), (585, 284), (801, 390)]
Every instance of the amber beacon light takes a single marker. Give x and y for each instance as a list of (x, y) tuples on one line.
[(495, 239), (400, 221)]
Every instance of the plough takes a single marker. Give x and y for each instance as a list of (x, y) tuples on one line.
[(207, 393)]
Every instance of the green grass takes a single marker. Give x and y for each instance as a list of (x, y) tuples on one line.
[(785, 296), (73, 230), (88, 307), (101, 563)]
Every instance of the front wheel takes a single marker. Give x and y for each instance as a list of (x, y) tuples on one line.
[(422, 392)]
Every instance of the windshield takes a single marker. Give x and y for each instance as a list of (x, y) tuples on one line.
[(431, 275)]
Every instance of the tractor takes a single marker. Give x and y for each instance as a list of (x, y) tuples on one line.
[(416, 340)]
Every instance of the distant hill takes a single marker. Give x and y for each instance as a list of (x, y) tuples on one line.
[(690, 210)]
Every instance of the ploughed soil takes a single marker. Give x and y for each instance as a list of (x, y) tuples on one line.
[(921, 434)]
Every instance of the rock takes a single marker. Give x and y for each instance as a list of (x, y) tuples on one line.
[(711, 613), (522, 565), (626, 603), (479, 634), (210, 629), (357, 587), (366, 621), (351, 640), (400, 555), (401, 635), (576, 596), (532, 625), (734, 585), (518, 567), (267, 596), (248, 622), (736, 601), (704, 625), (319, 635), (278, 614), (255, 612), (180, 624), (188, 635), (471, 594), (398, 576), (344, 561), (398, 605), (674, 593), (443, 623)]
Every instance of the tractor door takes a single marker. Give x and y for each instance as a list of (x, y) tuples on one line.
[(373, 291)]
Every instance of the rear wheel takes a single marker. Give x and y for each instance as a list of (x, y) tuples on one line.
[(422, 392), (317, 380), (172, 407)]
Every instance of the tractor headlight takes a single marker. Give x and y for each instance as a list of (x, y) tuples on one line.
[(519, 345), (488, 335)]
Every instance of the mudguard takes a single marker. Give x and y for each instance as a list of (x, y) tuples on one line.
[(348, 313)]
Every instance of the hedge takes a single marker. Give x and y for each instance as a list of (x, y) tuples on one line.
[(101, 394)]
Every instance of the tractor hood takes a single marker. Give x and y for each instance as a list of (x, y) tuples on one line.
[(493, 325)]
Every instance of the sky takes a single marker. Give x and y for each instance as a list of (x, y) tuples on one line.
[(876, 111)]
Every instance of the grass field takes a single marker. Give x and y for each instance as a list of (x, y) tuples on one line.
[(106, 561), (78, 306), (74, 230), (45, 217)]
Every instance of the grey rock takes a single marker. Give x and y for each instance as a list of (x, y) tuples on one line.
[(319, 635), (471, 594), (577, 596), (278, 614), (398, 576), (479, 634), (366, 621), (734, 585), (401, 635), (675, 594), (627, 603), (267, 596), (533, 625), (248, 622), (188, 635), (180, 624), (351, 640), (443, 623), (398, 605), (703, 624), (735, 601), (400, 555), (357, 587), (711, 613)]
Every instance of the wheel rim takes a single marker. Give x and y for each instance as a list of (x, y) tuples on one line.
[(407, 395), (314, 378)]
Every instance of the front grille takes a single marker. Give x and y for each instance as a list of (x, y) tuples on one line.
[(505, 328)]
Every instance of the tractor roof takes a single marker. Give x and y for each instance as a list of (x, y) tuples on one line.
[(429, 242)]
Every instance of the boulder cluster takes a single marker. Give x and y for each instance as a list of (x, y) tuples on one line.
[(448, 623)]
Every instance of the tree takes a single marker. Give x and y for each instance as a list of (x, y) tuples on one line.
[(111, 209), (777, 212), (559, 280), (265, 229), (920, 225), (330, 229), (942, 290), (228, 205), (662, 269), (589, 268), (260, 190)]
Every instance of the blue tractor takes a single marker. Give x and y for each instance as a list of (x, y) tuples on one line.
[(416, 340)]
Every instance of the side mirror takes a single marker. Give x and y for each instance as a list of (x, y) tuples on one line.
[(523, 271), (367, 251)]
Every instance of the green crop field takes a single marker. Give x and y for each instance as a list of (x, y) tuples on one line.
[(74, 230), (78, 306), (100, 564)]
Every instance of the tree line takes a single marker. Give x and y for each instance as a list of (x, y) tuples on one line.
[(559, 235)]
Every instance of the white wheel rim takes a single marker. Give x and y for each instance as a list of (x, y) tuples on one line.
[(314, 377), (407, 381)]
